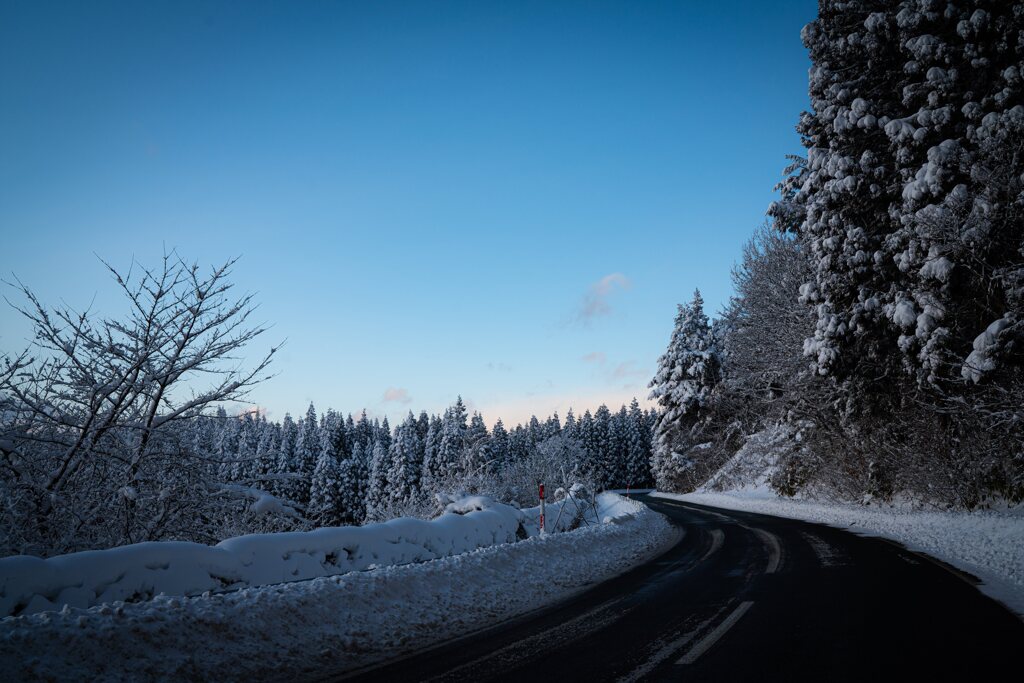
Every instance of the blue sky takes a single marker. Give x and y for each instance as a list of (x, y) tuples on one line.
[(502, 200)]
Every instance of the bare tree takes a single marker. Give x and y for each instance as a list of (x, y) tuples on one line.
[(92, 447)]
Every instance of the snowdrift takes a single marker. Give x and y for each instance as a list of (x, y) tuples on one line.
[(312, 630), (142, 571)]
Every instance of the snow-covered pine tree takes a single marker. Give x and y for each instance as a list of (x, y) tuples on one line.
[(353, 485), (325, 495), (638, 448), (243, 465), (350, 434), (553, 426), (384, 433), (446, 462), (477, 430), (687, 373), (518, 445), (226, 445), (267, 450), (587, 438), (535, 431), (364, 432), (909, 199), (475, 455), (497, 448), (431, 445), (604, 455), (286, 463), (423, 426), (307, 450), (403, 469), (618, 440), (570, 424), (377, 499)]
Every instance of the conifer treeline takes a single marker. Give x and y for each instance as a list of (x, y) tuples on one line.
[(347, 470)]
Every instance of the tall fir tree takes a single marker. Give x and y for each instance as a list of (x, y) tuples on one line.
[(353, 485), (448, 459), (377, 498), (404, 455), (325, 495), (498, 447), (570, 424), (638, 448), (687, 373)]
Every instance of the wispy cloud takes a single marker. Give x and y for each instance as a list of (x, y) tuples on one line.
[(595, 301), (626, 370), (596, 357), (397, 395)]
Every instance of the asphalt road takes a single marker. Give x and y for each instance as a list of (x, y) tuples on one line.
[(747, 597)]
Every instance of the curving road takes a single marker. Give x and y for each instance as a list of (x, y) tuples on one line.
[(747, 597)]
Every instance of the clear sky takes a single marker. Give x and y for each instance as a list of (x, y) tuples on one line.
[(500, 199)]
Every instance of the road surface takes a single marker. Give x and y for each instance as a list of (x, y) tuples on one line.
[(746, 597)]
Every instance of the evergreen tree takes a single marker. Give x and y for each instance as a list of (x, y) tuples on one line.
[(384, 433), (603, 456), (535, 431), (498, 449), (325, 495), (364, 432), (590, 444), (477, 430), (618, 440), (307, 450), (638, 448), (552, 427), (570, 424), (518, 444), (353, 485), (377, 497), (447, 460), (682, 385), (423, 426), (475, 456), (286, 463), (432, 473), (909, 199), (267, 448), (403, 470)]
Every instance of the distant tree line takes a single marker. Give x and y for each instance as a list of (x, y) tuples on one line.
[(345, 470)]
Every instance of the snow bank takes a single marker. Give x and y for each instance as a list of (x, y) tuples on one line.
[(141, 571), (988, 544), (314, 629)]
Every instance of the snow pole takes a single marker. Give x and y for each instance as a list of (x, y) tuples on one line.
[(542, 529)]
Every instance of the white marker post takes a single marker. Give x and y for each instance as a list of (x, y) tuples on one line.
[(543, 531)]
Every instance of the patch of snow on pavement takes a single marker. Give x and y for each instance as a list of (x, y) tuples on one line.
[(316, 628), (988, 544)]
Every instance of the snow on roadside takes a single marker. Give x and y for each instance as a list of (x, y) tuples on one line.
[(310, 629), (138, 572), (988, 544)]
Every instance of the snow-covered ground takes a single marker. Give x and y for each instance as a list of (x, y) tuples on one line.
[(307, 629), (138, 572), (988, 544)]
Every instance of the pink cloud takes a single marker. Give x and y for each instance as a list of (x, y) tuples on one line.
[(397, 394)]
